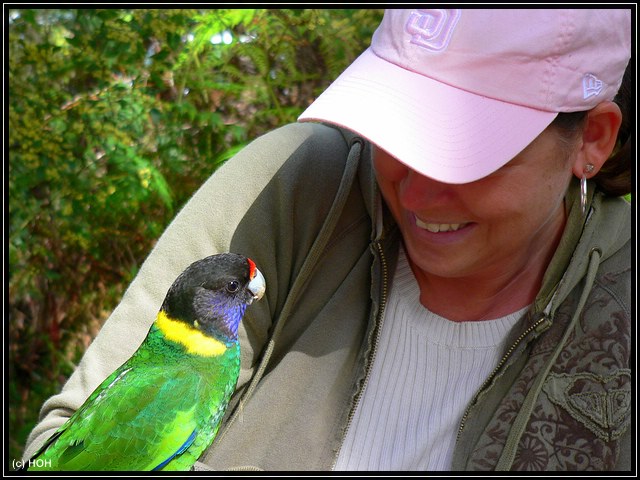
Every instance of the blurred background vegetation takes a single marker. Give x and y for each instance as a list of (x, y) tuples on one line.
[(115, 118)]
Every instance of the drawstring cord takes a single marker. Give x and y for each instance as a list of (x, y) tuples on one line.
[(520, 423)]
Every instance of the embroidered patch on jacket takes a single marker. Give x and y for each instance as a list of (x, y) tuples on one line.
[(600, 403)]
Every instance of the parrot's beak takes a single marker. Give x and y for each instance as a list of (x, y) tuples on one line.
[(257, 285)]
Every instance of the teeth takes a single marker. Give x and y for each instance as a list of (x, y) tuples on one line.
[(439, 227)]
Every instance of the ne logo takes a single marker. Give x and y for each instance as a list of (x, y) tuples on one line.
[(591, 85)]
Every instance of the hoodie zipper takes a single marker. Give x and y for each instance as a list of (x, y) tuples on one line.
[(501, 363), (374, 349), (379, 321)]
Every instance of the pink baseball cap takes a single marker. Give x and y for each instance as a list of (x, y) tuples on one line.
[(457, 93)]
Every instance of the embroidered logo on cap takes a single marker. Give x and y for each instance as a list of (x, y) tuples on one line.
[(591, 85), (432, 29)]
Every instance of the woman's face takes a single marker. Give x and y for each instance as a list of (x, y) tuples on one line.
[(497, 225)]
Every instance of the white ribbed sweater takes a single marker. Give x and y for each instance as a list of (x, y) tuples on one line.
[(426, 371)]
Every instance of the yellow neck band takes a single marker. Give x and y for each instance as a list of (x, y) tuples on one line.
[(194, 341)]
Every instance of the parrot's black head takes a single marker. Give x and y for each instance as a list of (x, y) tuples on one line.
[(212, 294)]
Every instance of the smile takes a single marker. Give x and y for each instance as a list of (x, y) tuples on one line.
[(440, 227)]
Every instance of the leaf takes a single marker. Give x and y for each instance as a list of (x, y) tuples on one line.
[(162, 188), (174, 40), (227, 154), (156, 115)]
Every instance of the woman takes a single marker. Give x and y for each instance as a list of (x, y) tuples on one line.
[(447, 264)]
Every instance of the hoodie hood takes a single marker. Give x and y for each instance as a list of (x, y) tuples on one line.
[(605, 229)]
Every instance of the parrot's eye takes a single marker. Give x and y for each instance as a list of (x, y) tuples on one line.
[(233, 286)]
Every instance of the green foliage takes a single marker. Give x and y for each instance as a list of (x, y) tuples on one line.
[(115, 118)]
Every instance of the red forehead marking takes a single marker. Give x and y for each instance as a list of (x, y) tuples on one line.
[(252, 268)]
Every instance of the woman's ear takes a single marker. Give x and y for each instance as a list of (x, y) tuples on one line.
[(598, 138)]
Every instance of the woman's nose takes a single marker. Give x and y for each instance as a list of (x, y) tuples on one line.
[(417, 192)]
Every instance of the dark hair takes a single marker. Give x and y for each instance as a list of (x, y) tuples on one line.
[(614, 178)]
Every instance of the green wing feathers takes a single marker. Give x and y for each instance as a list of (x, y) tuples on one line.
[(144, 417)]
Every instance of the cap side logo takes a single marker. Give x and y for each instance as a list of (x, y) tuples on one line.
[(591, 85), (432, 29)]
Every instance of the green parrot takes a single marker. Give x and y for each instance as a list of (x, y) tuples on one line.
[(162, 408)]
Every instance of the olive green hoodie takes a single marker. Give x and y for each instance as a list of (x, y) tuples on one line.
[(302, 202)]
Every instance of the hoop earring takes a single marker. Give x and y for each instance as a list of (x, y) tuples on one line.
[(583, 188)]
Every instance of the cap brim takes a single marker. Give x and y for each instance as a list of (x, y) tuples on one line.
[(445, 133)]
